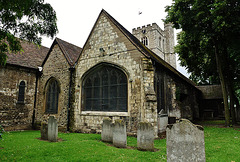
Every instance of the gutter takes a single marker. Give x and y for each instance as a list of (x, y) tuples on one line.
[(38, 73)]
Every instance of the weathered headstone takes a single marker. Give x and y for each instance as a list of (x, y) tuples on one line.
[(119, 134), (52, 129), (145, 136), (44, 131), (185, 142), (162, 122), (107, 130)]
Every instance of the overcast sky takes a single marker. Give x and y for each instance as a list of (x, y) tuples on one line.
[(76, 18)]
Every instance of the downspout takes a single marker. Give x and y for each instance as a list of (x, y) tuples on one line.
[(38, 73), (71, 69)]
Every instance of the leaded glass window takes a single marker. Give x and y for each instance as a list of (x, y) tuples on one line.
[(145, 41), (21, 92), (105, 89), (52, 95)]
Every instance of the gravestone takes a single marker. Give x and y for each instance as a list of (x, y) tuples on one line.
[(185, 142), (162, 122), (52, 129), (44, 131), (119, 134), (145, 136), (107, 130)]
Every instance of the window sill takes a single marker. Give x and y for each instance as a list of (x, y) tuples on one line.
[(102, 113), (50, 113), (21, 102)]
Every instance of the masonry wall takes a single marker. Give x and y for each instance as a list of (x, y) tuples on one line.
[(57, 67), (170, 56), (161, 42), (14, 115), (181, 98), (156, 38), (107, 44), (187, 100)]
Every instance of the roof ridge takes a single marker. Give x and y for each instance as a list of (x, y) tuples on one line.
[(70, 61), (68, 42)]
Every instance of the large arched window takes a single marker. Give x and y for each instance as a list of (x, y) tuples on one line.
[(21, 92), (105, 89), (52, 93)]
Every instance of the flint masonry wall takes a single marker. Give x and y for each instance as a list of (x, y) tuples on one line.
[(56, 66), (119, 51), (181, 98), (14, 115)]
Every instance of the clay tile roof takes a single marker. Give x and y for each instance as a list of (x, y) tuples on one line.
[(147, 52), (211, 91), (70, 51), (31, 57)]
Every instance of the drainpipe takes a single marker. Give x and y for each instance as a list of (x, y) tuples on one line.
[(38, 73), (71, 69)]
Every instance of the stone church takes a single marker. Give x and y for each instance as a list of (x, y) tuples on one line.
[(116, 74)]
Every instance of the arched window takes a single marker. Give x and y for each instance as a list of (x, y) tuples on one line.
[(52, 93), (145, 41), (105, 89), (160, 42), (21, 92), (163, 46)]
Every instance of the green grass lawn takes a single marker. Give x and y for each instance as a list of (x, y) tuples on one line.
[(222, 144)]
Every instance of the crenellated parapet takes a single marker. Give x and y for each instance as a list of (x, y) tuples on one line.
[(147, 27)]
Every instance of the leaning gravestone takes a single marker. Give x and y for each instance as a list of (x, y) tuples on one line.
[(44, 131), (145, 136), (52, 129), (107, 132), (185, 142), (120, 134), (162, 122)]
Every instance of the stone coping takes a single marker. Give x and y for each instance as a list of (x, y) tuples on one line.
[(163, 115), (102, 113)]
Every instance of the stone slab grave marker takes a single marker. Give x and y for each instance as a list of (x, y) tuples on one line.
[(185, 142), (107, 130), (145, 136), (119, 134), (52, 129), (162, 121), (44, 131)]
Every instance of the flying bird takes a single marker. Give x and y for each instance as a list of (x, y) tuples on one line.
[(139, 13)]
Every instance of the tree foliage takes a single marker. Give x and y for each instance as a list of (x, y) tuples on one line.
[(24, 19), (209, 42)]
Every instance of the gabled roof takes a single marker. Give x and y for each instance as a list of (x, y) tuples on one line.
[(143, 49), (31, 57), (70, 51)]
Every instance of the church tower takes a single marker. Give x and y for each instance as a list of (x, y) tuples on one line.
[(159, 41)]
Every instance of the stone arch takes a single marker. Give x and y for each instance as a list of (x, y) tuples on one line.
[(145, 41), (51, 93), (21, 91)]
